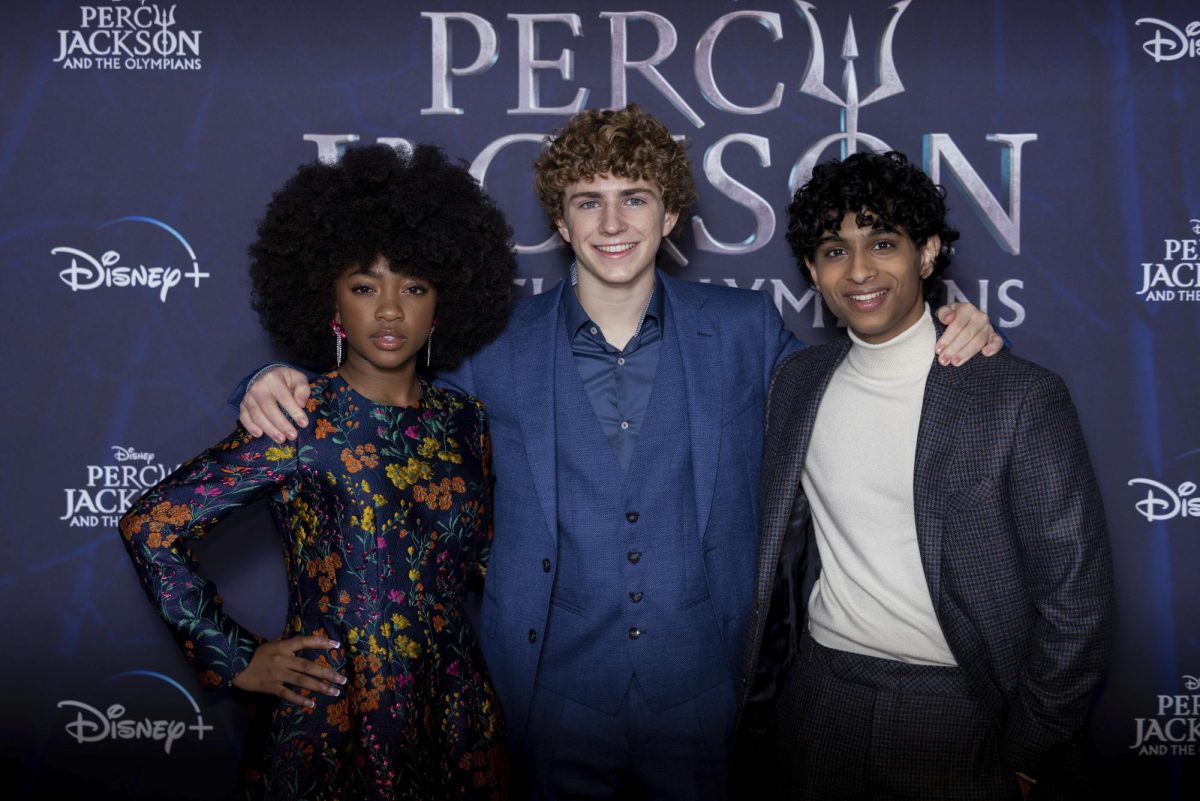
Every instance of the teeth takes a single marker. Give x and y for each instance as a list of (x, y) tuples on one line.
[(616, 248), (865, 298)]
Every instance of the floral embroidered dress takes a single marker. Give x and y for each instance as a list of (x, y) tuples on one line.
[(385, 515)]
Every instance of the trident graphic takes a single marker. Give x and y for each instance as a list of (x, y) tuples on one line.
[(814, 86)]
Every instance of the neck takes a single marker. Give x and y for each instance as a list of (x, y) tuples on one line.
[(903, 357), (398, 387), (617, 310)]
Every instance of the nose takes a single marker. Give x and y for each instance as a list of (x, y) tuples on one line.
[(389, 307), (612, 221), (862, 269)]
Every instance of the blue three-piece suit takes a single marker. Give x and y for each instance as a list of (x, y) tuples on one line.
[(604, 584)]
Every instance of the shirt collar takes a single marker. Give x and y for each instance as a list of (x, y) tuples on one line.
[(577, 317)]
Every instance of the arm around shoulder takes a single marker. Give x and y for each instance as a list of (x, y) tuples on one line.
[(271, 399)]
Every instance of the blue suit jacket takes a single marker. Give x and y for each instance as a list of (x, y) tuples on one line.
[(1012, 539), (730, 341)]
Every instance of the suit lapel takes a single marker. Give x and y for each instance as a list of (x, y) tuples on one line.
[(699, 338), (944, 410), (795, 397), (539, 331)]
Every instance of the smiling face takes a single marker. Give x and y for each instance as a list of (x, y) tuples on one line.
[(387, 317), (872, 278), (614, 225)]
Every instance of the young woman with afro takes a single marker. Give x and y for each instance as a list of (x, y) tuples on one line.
[(380, 268)]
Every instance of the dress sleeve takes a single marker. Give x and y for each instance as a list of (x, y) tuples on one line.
[(159, 526)]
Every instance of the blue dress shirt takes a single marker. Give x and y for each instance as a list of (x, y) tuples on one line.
[(617, 382)]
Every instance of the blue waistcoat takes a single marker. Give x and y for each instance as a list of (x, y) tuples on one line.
[(630, 597)]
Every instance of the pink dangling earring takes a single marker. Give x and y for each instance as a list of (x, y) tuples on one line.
[(339, 334), (429, 343)]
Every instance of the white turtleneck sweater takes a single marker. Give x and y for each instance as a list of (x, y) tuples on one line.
[(871, 597)]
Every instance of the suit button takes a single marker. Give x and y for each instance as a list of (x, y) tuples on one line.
[(545, 565), (632, 517), (532, 635), (634, 633), (636, 597), (634, 557)]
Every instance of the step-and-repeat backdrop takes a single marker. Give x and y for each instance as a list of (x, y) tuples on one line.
[(141, 141)]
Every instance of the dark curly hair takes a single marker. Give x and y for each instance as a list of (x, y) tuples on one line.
[(426, 216), (884, 191), (628, 143)]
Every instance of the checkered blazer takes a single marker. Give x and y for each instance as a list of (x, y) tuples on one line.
[(1012, 539)]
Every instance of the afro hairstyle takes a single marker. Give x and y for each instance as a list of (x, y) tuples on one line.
[(426, 216), (882, 190)]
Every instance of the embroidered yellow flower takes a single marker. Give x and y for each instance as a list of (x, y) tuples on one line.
[(277, 453), (408, 647)]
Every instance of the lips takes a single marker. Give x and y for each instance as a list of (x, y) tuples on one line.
[(388, 339), (616, 250), (866, 301)]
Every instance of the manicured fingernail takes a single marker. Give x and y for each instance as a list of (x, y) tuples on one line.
[(334, 644), (310, 704), (334, 691), (958, 360), (943, 361)]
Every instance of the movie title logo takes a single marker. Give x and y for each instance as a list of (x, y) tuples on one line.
[(129, 37), (1170, 43), (464, 46), (1163, 502), (92, 724), (1174, 729), (1176, 277), (109, 489), (87, 271), (790, 304)]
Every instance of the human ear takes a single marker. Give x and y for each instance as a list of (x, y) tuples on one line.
[(929, 253), (564, 231), (669, 220)]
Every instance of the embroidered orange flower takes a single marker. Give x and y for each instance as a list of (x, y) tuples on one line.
[(324, 428), (338, 715), (352, 463), (173, 514)]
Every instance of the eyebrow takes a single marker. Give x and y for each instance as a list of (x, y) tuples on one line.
[(593, 194)]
